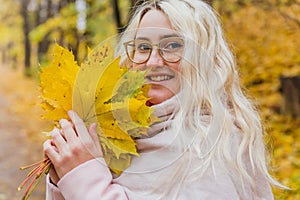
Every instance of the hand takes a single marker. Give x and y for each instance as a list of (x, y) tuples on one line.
[(71, 146), (53, 176)]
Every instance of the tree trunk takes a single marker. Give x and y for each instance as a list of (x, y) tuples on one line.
[(134, 5), (290, 90), (26, 30), (44, 44), (117, 15)]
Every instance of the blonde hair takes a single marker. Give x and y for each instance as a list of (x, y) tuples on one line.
[(210, 83)]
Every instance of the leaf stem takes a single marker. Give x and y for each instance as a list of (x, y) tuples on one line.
[(34, 164)]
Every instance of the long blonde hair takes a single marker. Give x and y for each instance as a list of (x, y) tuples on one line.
[(210, 82)]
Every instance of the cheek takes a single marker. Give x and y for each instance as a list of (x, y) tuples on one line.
[(175, 67), (134, 66), (138, 66)]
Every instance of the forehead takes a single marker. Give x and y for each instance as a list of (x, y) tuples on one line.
[(155, 25)]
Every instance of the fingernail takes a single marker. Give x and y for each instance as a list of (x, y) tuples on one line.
[(71, 113), (62, 121), (94, 125), (55, 131)]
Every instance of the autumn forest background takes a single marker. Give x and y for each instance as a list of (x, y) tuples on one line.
[(263, 34)]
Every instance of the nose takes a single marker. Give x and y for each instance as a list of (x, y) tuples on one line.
[(155, 59)]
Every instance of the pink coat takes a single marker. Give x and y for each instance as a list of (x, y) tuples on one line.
[(90, 180), (162, 171)]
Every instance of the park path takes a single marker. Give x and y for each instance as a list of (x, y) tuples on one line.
[(18, 144)]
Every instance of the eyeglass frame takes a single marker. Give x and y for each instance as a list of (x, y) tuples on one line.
[(149, 55)]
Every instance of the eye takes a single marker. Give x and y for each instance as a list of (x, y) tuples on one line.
[(143, 47), (172, 46)]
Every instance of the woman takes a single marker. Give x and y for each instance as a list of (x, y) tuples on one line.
[(209, 143)]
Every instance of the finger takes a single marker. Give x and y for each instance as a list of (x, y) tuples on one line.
[(79, 126), (49, 151), (53, 145), (53, 176), (68, 130), (94, 136), (93, 132), (59, 141)]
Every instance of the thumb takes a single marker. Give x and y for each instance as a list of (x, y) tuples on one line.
[(53, 176)]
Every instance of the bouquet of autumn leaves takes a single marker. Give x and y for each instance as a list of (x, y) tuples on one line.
[(99, 91)]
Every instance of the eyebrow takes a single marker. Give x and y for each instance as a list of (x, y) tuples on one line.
[(162, 37), (171, 35)]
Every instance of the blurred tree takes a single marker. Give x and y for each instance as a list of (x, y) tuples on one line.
[(11, 34), (289, 9), (59, 21), (117, 15), (26, 30), (290, 90), (56, 22), (133, 5), (121, 23), (267, 47), (43, 12)]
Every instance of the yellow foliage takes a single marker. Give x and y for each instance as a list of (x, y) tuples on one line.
[(99, 91), (57, 81), (267, 47)]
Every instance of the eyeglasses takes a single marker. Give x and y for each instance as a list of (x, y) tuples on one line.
[(170, 49)]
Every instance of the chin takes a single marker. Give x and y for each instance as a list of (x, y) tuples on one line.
[(159, 96)]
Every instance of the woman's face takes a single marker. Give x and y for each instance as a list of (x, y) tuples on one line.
[(163, 76)]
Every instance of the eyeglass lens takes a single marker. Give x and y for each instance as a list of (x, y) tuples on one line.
[(139, 50)]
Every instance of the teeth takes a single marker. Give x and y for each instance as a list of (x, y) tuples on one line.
[(159, 78)]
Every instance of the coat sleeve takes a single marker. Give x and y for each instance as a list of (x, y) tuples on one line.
[(52, 192), (90, 180)]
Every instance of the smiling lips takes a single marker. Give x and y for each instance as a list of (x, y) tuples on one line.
[(159, 78)]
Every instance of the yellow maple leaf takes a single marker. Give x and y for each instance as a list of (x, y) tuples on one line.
[(99, 91), (56, 82), (111, 96)]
